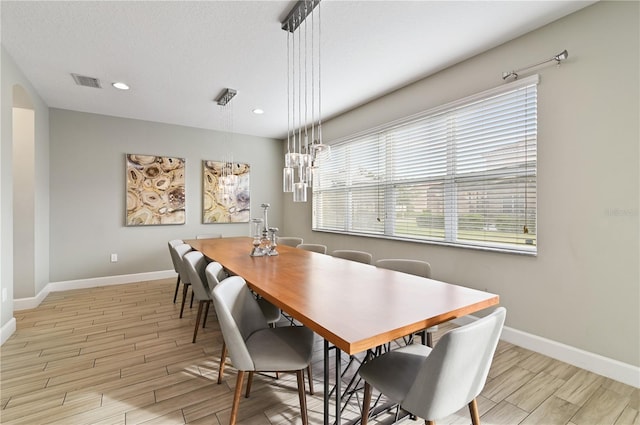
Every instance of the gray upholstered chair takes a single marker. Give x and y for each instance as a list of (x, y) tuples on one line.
[(433, 383), (255, 347), (215, 274), (289, 241), (180, 251), (417, 268), (200, 273), (359, 256), (314, 247), (175, 260), (209, 236)]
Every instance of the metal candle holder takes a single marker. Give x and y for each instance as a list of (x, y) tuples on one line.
[(264, 240)]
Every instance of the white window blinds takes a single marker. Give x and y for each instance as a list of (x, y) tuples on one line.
[(461, 174)]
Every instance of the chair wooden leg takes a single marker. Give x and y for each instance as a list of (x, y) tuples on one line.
[(249, 382), (195, 330), (366, 403), (175, 296), (310, 379), (473, 410), (191, 304), (430, 422), (236, 398), (303, 397), (185, 288), (223, 359), (206, 313)]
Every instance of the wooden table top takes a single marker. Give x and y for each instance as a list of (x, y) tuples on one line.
[(354, 306)]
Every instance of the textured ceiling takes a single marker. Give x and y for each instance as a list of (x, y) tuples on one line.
[(178, 56)]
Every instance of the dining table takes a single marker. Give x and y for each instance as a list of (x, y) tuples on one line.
[(354, 307)]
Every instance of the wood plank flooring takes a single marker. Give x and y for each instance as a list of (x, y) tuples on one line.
[(121, 355)]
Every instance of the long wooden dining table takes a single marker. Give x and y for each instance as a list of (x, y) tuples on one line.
[(355, 307)]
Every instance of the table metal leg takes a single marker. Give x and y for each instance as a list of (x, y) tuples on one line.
[(326, 382), (338, 386)]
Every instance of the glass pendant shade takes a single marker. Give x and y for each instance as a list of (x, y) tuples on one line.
[(305, 175), (300, 192), (305, 160), (311, 174), (322, 151), (287, 179), (292, 159)]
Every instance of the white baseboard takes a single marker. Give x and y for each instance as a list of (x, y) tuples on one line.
[(7, 330), (33, 302), (614, 369)]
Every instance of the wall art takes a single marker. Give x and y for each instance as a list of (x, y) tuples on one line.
[(226, 196), (155, 190)]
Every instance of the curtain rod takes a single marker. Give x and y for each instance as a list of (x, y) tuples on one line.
[(557, 58)]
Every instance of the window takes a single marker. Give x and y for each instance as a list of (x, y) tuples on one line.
[(462, 174)]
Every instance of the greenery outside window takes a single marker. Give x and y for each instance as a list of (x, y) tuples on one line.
[(461, 174)]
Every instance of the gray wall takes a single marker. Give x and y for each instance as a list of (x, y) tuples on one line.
[(88, 190), (583, 287), (36, 242)]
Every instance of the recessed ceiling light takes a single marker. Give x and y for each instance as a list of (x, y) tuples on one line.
[(258, 111), (120, 86)]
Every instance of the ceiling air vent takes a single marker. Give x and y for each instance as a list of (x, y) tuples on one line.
[(82, 80)]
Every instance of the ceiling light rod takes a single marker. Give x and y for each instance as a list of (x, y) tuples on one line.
[(298, 14), (226, 96), (557, 58)]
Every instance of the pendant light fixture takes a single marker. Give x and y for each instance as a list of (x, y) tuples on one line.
[(227, 179), (305, 148)]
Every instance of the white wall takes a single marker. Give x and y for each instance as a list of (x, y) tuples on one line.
[(88, 190), (583, 288)]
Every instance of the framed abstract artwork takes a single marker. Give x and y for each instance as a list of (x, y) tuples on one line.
[(155, 190), (226, 196)]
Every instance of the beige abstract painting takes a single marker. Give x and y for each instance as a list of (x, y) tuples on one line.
[(226, 196), (155, 190)]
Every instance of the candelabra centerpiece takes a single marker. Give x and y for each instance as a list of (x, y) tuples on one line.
[(264, 237)]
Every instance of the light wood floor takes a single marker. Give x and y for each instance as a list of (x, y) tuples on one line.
[(120, 355)]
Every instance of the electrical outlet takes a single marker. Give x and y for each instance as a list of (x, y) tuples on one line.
[(4, 294), (114, 258)]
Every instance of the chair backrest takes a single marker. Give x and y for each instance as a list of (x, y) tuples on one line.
[(174, 259), (195, 264), (209, 236), (215, 274), (239, 316), (289, 241), (180, 251), (414, 267), (359, 256), (456, 370), (322, 249)]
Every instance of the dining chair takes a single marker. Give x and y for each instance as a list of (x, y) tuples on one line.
[(209, 236), (417, 268), (175, 260), (255, 347), (289, 241), (181, 250), (314, 247), (433, 383), (215, 274), (359, 256), (195, 265)]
